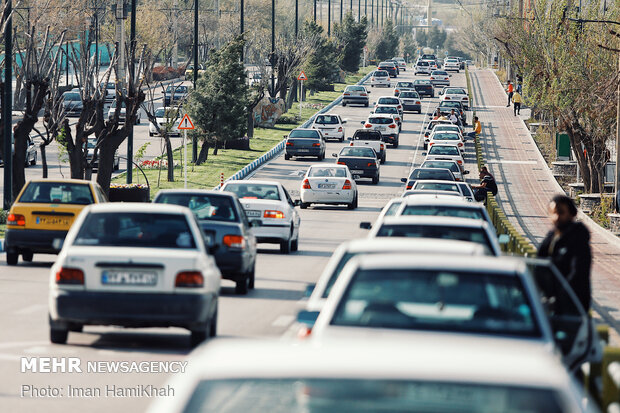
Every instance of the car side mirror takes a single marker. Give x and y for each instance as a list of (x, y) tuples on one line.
[(344, 121), (309, 290), (466, 173), (58, 243), (449, 75), (350, 138), (503, 239), (365, 225), (285, 136), (362, 122), (335, 155), (307, 317), (296, 202), (403, 180)]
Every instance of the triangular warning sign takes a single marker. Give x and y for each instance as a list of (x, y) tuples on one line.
[(186, 123), (302, 76)]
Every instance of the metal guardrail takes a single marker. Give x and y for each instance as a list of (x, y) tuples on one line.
[(273, 152)]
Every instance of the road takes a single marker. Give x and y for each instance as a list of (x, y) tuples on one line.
[(267, 311)]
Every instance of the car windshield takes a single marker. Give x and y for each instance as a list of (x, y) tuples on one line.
[(422, 82), (380, 121), (446, 137), (386, 109), (439, 73), (443, 211), (409, 95), (422, 63), (367, 136), (327, 172), (205, 207), (460, 301), (443, 150), (123, 105), (469, 234), (381, 73), (327, 120), (330, 394), (388, 101), (441, 164), (56, 193), (136, 230), (431, 174), (177, 89), (72, 96), (404, 84), (446, 128), (300, 133), (455, 92), (358, 151), (451, 104), (254, 191), (436, 186)]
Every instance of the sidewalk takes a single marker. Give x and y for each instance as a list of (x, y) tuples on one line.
[(526, 185)]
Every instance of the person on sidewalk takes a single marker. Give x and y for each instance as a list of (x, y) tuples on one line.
[(568, 247), (453, 117), (510, 90), (477, 129), (516, 102), (519, 82)]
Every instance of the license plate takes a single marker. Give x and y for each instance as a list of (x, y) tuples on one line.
[(252, 213), (381, 128), (327, 186), (357, 171), (52, 221), (128, 278), (303, 150)]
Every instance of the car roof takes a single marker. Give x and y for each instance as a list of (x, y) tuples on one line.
[(441, 200), (142, 207), (426, 192), (253, 181), (380, 115), (404, 244), (64, 181), (329, 165), (196, 192), (434, 221)]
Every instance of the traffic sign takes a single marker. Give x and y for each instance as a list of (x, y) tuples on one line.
[(366, 48), (302, 76), (186, 123)]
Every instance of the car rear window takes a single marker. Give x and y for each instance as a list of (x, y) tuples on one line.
[(404, 84), (422, 82), (57, 193), (327, 172), (470, 234), (462, 301), (253, 191), (422, 63), (386, 109), (358, 151), (299, 133), (455, 92), (439, 73), (205, 207), (431, 174), (367, 136), (381, 73), (446, 137), (435, 186), (443, 150), (72, 96), (136, 230), (409, 95), (355, 89), (441, 164), (380, 121), (327, 120), (388, 101), (443, 211)]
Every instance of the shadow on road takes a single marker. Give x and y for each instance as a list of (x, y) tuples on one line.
[(264, 293)]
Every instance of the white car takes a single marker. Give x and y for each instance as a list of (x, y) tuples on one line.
[(331, 126), (121, 115), (491, 299), (437, 185), (441, 205), (403, 87), (460, 229), (371, 246), (134, 265), (445, 153), (453, 166), (440, 78), (390, 101), (356, 95), (455, 94), (380, 78), (452, 64), (166, 117), (449, 127), (328, 184), (447, 138), (402, 65), (387, 126), (271, 208), (466, 373), (389, 110), (422, 67)]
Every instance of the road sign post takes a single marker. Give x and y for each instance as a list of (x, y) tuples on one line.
[(185, 125), (302, 76)]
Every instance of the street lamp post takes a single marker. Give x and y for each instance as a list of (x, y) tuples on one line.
[(7, 108), (132, 71), (329, 17), (314, 11), (273, 46)]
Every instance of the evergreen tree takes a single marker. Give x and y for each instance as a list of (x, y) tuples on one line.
[(351, 38), (219, 103), (421, 38), (322, 64), (408, 46), (436, 38), (387, 46)]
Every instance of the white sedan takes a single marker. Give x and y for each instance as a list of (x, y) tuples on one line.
[(167, 118), (272, 210), (328, 184), (134, 265), (457, 94), (331, 126)]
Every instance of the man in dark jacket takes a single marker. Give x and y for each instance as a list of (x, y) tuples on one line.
[(568, 247)]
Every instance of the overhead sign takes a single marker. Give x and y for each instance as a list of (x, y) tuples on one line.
[(186, 123), (302, 76)]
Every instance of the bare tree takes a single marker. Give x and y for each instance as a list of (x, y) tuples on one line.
[(288, 57)]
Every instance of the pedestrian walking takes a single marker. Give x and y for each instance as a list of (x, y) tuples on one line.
[(568, 247), (516, 102), (510, 90)]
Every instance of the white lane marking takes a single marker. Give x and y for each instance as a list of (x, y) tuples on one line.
[(512, 162), (297, 172), (30, 309), (283, 321)]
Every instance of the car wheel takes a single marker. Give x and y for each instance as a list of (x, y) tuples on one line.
[(59, 336), (287, 157), (285, 246), (252, 277), (372, 85), (27, 256), (304, 205), (383, 160), (295, 245), (117, 165), (344, 104), (355, 202), (213, 325), (26, 163), (151, 134), (366, 104), (241, 287), (197, 337), (395, 145), (34, 160), (419, 112), (375, 180), (12, 257), (137, 120), (78, 328)]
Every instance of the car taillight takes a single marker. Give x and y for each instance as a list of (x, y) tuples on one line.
[(409, 186), (316, 144), (273, 214), (431, 143), (460, 144), (447, 98), (397, 119), (396, 91), (381, 147), (289, 143), (347, 183), (363, 94), (392, 126), (465, 98), (234, 241), (16, 219), (368, 125), (347, 94), (432, 78), (306, 184), (460, 162), (418, 102), (189, 279), (372, 78), (399, 106), (340, 129), (70, 276), (339, 163)]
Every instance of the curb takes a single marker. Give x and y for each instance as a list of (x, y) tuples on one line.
[(275, 151)]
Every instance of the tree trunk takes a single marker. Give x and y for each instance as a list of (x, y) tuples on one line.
[(43, 161), (215, 148), (110, 144), (251, 124), (204, 153), (170, 158)]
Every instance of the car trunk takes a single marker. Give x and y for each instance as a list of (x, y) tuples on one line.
[(216, 230), (45, 216), (355, 163), (255, 210), (297, 143), (326, 184)]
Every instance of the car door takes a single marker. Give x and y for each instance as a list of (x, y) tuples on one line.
[(573, 331), (292, 211)]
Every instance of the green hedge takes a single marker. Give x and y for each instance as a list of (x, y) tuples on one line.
[(517, 244)]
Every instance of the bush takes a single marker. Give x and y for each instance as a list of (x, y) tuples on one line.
[(3, 215), (288, 120), (166, 72)]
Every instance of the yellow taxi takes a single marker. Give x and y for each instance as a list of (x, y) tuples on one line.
[(43, 213)]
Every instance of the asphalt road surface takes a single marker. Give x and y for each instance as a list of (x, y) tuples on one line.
[(267, 311)]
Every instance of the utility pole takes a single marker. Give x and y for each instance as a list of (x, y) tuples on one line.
[(359, 10), (329, 18), (195, 76), (175, 30), (296, 17), (617, 178), (131, 88), (314, 11), (341, 11), (273, 47), (120, 38), (7, 109)]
